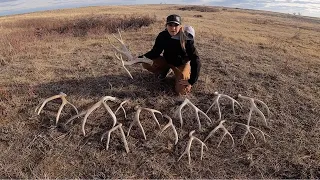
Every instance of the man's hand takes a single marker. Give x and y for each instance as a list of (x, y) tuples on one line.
[(186, 84)]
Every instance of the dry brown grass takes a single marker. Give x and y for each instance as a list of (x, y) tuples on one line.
[(270, 56)]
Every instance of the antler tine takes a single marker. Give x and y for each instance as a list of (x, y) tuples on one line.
[(121, 106), (225, 132), (137, 120), (249, 131), (92, 108), (62, 96), (216, 101), (153, 115), (123, 64), (187, 150), (197, 111), (170, 124), (123, 136), (254, 108)]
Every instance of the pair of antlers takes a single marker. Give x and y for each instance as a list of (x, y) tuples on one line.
[(124, 51)]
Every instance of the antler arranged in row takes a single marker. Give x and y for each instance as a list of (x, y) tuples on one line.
[(225, 132), (137, 119), (187, 150), (170, 124), (94, 107), (123, 136), (254, 108), (197, 111), (216, 101), (62, 96), (124, 51)]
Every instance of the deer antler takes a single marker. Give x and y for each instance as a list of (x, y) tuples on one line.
[(247, 126), (121, 106), (225, 132), (170, 124), (62, 96), (137, 119), (187, 150), (123, 136), (197, 111), (216, 101), (124, 51), (255, 108), (94, 107)]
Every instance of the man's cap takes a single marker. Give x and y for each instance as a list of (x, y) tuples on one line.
[(188, 31), (174, 19)]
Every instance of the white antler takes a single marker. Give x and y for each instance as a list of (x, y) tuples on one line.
[(121, 106), (94, 107), (123, 136), (247, 126), (124, 51), (216, 101), (137, 119), (62, 96), (170, 124), (255, 108), (197, 111), (225, 132), (187, 150)]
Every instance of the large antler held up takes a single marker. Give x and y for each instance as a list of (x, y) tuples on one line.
[(124, 51)]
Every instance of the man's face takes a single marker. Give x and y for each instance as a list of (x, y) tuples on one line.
[(173, 28)]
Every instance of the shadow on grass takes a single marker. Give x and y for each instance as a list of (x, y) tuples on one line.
[(143, 85)]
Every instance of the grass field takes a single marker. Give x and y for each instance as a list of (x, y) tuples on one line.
[(269, 56)]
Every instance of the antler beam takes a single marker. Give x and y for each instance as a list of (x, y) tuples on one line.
[(187, 150), (197, 111), (137, 119), (94, 107), (62, 96), (225, 132), (216, 101), (255, 108), (124, 51), (170, 124), (123, 136)]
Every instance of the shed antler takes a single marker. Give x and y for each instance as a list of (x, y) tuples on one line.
[(247, 126), (197, 111), (187, 150), (94, 107), (123, 136), (225, 132), (124, 51), (62, 96), (137, 119), (121, 106), (216, 101), (255, 108), (170, 124)]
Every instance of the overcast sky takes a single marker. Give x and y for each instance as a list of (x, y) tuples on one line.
[(303, 7)]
